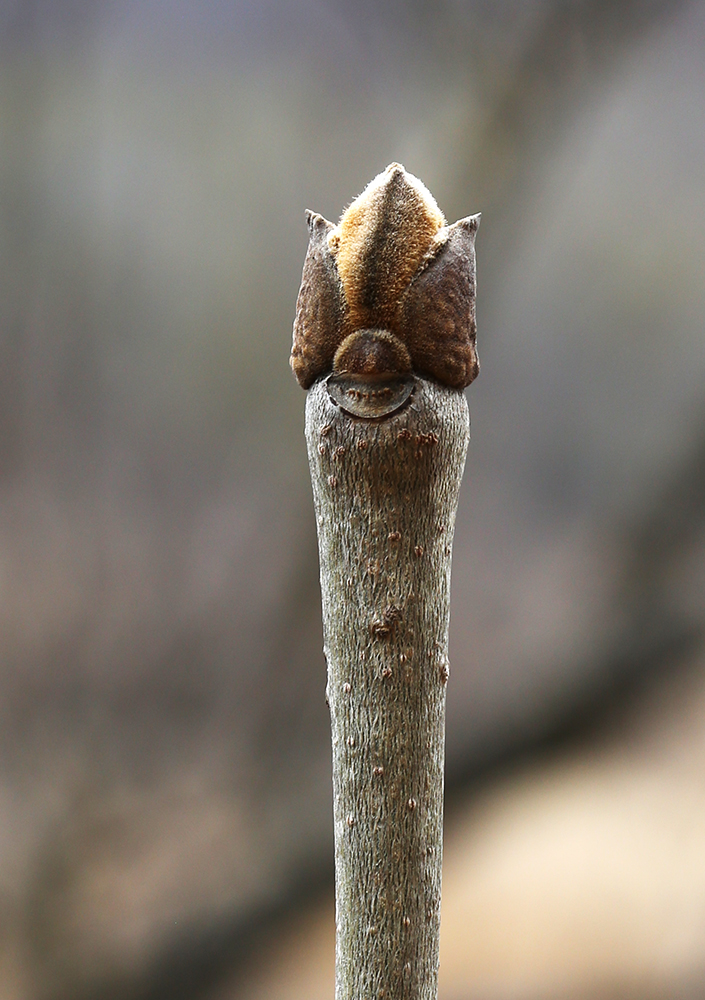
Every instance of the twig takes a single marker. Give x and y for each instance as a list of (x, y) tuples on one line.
[(387, 297)]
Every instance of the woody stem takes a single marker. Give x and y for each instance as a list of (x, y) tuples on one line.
[(385, 494)]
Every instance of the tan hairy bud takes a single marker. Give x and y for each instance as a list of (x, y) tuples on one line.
[(380, 243), (397, 280)]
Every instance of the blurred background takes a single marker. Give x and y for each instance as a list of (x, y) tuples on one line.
[(165, 804)]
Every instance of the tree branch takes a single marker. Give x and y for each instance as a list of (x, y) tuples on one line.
[(387, 295), (385, 495)]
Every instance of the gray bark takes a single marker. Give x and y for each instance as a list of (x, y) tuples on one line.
[(385, 495)]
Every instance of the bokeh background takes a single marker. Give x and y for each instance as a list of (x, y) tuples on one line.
[(165, 813)]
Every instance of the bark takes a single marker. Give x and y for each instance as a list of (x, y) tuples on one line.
[(385, 494)]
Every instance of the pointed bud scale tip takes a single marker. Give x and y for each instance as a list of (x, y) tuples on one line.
[(470, 223), (391, 265)]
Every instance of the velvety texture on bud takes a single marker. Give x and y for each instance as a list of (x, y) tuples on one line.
[(392, 268), (372, 353)]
